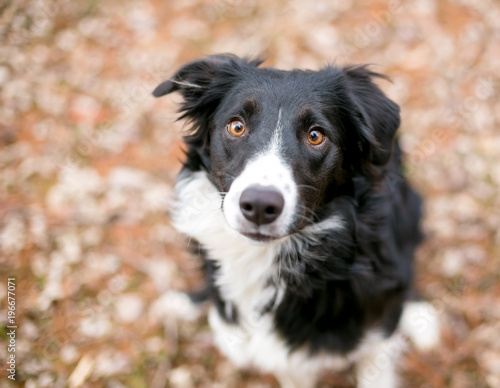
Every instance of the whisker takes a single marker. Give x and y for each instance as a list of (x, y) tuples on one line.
[(304, 207), (309, 187), (307, 210), (303, 217)]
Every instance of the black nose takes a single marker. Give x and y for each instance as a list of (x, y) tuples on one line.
[(261, 204)]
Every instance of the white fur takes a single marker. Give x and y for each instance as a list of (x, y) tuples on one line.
[(333, 223), (377, 367), (420, 323), (277, 140), (245, 268)]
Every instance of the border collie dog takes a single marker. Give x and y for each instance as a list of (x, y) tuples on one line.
[(292, 190)]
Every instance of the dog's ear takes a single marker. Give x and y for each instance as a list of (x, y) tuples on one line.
[(203, 82), (194, 78), (377, 115)]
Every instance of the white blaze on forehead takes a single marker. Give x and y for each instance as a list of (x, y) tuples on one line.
[(277, 139), (266, 169)]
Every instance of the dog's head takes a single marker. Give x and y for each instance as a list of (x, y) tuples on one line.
[(282, 144)]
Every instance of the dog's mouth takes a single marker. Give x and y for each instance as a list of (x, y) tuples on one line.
[(260, 237)]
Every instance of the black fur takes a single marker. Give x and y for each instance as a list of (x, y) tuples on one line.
[(357, 278), (338, 284)]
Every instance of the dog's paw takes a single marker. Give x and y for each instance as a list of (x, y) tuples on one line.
[(420, 323)]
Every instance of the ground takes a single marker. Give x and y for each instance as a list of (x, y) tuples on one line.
[(88, 159)]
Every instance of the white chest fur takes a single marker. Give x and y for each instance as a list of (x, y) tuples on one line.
[(245, 268)]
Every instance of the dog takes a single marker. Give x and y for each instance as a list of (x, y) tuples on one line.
[(293, 194)]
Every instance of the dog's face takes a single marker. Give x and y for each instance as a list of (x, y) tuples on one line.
[(279, 145)]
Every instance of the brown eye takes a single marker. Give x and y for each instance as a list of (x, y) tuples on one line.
[(236, 128), (315, 137)]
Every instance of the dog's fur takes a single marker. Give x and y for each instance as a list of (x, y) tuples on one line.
[(329, 282)]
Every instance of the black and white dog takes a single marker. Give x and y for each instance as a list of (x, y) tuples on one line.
[(292, 189)]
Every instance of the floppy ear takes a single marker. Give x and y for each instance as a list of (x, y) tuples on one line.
[(377, 115), (194, 78), (203, 82)]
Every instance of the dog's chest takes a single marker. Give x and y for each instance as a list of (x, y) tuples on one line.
[(243, 281), (252, 341), (243, 276)]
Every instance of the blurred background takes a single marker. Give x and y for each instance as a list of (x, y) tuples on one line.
[(88, 159)]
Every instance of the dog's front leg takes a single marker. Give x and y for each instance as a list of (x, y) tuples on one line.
[(377, 368)]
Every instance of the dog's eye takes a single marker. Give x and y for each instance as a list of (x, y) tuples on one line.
[(236, 128), (315, 137)]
